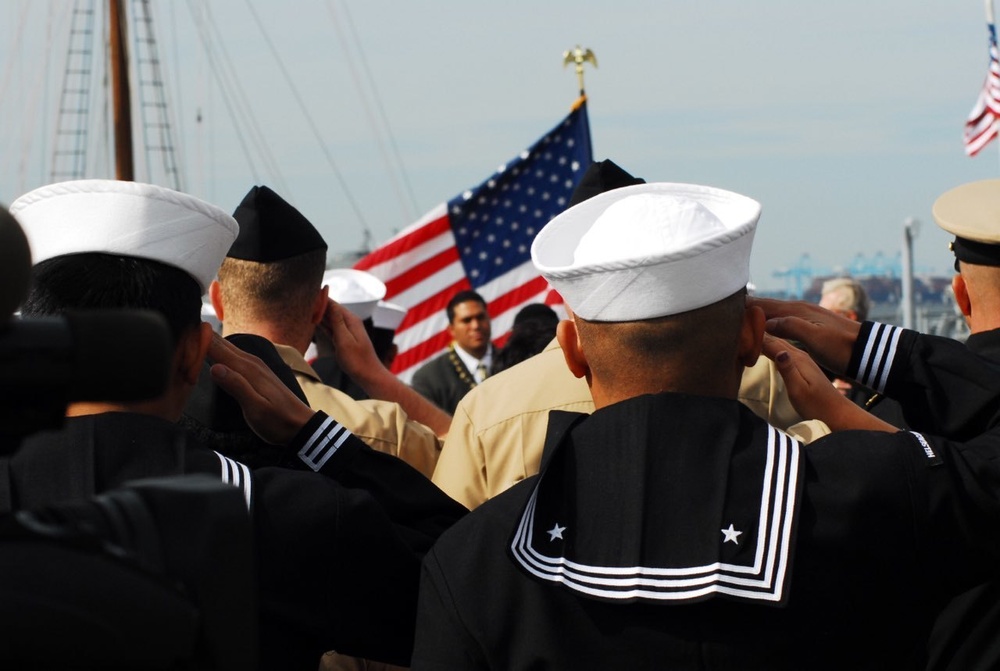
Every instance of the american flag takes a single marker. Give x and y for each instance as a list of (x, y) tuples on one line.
[(481, 239), (981, 126)]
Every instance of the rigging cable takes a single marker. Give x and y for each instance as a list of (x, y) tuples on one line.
[(233, 94), (40, 86), (177, 83), (9, 70), (407, 215), (258, 135), (309, 119), (237, 116)]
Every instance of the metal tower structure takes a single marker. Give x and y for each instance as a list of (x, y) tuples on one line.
[(73, 124), (157, 132), (69, 152)]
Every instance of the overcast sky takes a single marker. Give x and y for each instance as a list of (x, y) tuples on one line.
[(842, 118)]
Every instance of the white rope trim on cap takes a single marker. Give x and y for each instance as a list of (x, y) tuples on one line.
[(151, 191)]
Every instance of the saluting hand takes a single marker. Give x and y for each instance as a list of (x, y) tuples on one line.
[(353, 348), (271, 409), (827, 336), (811, 393)]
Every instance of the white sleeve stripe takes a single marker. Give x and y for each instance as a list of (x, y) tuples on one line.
[(863, 365), (238, 475), (319, 449), (247, 484), (318, 433), (893, 341), (320, 445), (876, 361)]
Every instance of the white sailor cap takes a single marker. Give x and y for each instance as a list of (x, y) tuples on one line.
[(126, 219), (388, 315), (647, 251), (356, 290)]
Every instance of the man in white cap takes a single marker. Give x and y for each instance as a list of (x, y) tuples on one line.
[(498, 428), (103, 244), (673, 528), (270, 284)]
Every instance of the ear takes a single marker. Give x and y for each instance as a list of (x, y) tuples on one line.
[(569, 339), (319, 307), (751, 335), (961, 291), (191, 351), (215, 296)]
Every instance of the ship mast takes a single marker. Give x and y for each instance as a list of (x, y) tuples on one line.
[(124, 161)]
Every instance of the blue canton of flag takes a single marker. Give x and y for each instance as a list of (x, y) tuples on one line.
[(495, 223)]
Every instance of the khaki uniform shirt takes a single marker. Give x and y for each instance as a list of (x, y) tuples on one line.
[(498, 429), (383, 425)]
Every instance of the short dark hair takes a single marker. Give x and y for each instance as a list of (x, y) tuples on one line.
[(462, 297), (95, 281), (527, 338), (272, 291)]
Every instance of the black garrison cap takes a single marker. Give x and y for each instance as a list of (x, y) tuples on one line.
[(601, 176), (271, 229)]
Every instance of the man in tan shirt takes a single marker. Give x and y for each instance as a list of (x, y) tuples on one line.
[(270, 284)]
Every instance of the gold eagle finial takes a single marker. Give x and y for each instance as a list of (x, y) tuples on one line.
[(579, 56)]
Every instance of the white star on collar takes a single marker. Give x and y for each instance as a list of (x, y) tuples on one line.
[(555, 532), (730, 534)]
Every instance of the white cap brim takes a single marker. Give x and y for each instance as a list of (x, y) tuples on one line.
[(646, 282), (356, 290), (388, 315), (126, 219)]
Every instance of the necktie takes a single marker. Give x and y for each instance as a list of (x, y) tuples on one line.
[(481, 372)]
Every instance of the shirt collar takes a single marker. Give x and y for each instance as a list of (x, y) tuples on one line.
[(472, 363)]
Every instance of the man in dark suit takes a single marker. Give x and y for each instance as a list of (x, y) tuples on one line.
[(449, 377)]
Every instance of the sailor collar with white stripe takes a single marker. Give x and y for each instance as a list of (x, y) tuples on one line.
[(665, 497)]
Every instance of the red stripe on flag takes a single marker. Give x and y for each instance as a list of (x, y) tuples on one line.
[(436, 303), (395, 248), (418, 274), (415, 355), (553, 298), (532, 287)]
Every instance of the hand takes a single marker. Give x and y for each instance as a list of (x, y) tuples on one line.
[(811, 393), (356, 357), (352, 347), (827, 336), (269, 407)]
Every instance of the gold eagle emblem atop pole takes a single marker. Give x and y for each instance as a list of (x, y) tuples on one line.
[(579, 56)]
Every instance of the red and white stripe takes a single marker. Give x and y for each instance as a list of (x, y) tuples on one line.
[(422, 270), (981, 126)]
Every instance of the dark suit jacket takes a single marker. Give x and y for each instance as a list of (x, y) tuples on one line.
[(444, 380)]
